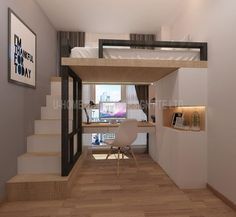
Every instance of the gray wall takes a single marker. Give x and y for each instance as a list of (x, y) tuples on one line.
[(20, 106)]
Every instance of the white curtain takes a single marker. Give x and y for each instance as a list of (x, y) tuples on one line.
[(131, 96)]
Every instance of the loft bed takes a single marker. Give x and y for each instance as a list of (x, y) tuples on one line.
[(115, 61), (97, 69)]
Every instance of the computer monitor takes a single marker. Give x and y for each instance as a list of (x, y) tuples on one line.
[(112, 110)]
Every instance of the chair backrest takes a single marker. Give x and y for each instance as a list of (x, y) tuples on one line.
[(126, 133)]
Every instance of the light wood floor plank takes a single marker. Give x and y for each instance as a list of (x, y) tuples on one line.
[(146, 192)]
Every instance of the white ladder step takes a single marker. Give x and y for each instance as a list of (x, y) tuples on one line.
[(55, 101), (50, 113), (56, 88), (31, 163), (50, 126), (44, 143)]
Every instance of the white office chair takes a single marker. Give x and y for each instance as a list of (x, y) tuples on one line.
[(125, 136)]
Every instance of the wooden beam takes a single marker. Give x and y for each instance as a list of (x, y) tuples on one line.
[(131, 71), (142, 63)]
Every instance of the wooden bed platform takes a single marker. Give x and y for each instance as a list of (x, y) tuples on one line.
[(100, 70), (132, 71)]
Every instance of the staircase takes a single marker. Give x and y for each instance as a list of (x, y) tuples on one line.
[(39, 169)]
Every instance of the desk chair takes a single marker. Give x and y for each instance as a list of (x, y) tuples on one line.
[(125, 136)]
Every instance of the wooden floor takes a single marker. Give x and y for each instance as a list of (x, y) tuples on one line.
[(147, 192)]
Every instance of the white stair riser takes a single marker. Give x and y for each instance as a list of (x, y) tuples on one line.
[(49, 126), (41, 147), (50, 113), (55, 101), (44, 143), (39, 164), (56, 88)]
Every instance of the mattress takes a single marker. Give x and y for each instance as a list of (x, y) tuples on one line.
[(127, 53)]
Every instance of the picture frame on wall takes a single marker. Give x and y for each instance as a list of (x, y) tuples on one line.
[(22, 52)]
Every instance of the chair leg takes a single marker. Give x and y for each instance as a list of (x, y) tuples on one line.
[(108, 155), (118, 162), (132, 153)]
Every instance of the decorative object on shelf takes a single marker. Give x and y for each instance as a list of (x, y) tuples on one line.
[(22, 52), (186, 125), (90, 105), (175, 116), (179, 123), (195, 121)]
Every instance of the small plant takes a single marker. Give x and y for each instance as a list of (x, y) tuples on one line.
[(195, 121)]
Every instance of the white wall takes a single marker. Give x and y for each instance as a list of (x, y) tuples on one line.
[(91, 39), (164, 33), (214, 21)]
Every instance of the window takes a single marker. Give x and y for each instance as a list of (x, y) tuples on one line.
[(86, 93), (115, 93), (107, 93)]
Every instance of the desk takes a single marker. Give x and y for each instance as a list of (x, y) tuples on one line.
[(143, 127)]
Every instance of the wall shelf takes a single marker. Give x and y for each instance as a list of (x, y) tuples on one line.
[(187, 114)]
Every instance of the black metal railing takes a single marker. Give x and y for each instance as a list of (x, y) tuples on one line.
[(202, 46), (71, 137)]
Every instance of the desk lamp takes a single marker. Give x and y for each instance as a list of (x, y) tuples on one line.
[(90, 105)]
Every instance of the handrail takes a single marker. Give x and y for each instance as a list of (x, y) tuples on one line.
[(69, 156), (152, 44)]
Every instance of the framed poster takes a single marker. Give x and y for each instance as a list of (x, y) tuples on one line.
[(175, 116), (22, 52)]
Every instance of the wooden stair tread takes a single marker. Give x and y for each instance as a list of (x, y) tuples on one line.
[(23, 178), (41, 154), (58, 79), (43, 134)]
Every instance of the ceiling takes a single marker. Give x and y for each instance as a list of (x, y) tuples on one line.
[(111, 16)]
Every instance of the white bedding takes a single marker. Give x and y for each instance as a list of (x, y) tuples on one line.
[(127, 53)]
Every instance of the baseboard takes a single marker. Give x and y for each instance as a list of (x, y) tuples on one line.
[(139, 149), (222, 197)]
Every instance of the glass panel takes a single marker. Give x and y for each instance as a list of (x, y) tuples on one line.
[(75, 144), (100, 138), (108, 93), (70, 106), (86, 93)]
